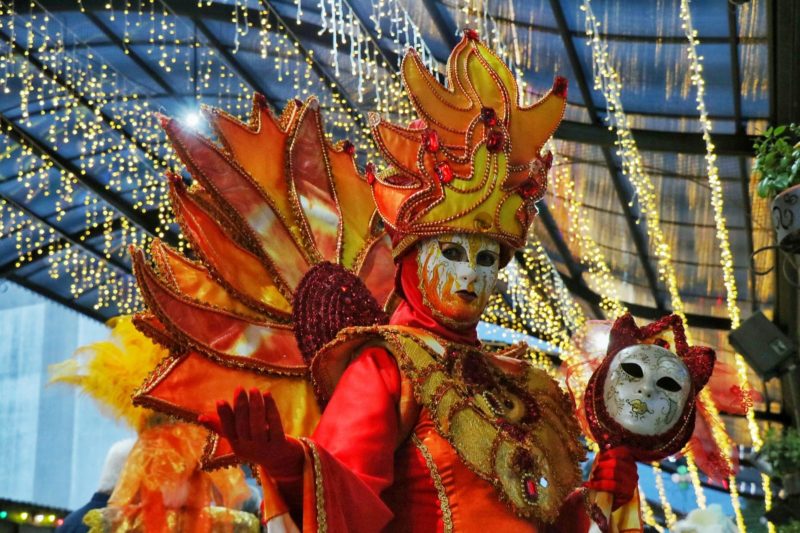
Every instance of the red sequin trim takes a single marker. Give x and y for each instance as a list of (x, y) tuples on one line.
[(328, 299)]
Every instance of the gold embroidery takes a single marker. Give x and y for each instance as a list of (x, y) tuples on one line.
[(505, 450), (319, 489), (444, 502)]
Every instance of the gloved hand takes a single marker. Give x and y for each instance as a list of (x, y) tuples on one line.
[(253, 427), (614, 472)]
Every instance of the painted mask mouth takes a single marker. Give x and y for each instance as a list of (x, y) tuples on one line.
[(467, 296)]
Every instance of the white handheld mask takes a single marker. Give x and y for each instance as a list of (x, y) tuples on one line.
[(646, 389)]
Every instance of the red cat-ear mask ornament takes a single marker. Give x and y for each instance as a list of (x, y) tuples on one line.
[(473, 161), (643, 394)]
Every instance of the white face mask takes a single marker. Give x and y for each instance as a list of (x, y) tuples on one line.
[(646, 389), (458, 273)]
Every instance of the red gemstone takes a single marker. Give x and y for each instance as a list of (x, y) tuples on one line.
[(370, 171), (260, 100), (348, 148), (430, 139), (531, 490), (495, 141), (472, 34), (488, 116), (532, 188), (444, 172), (548, 160), (298, 102), (560, 86)]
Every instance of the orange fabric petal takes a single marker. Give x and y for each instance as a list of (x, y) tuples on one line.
[(234, 339), (243, 272), (310, 179), (245, 200)]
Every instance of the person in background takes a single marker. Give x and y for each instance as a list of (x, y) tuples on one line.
[(114, 463)]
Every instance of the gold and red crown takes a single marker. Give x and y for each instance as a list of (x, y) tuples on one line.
[(473, 162)]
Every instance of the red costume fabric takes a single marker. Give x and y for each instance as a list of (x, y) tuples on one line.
[(374, 478)]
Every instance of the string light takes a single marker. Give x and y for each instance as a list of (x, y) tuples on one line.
[(669, 514), (607, 80), (717, 202)]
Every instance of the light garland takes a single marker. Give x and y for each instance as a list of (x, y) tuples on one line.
[(608, 81), (579, 233), (669, 514), (647, 513), (720, 223)]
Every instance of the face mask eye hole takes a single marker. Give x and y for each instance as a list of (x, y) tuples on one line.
[(453, 251), (669, 384), (632, 369), (486, 258)]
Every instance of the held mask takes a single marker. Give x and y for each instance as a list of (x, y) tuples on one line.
[(643, 394), (646, 389)]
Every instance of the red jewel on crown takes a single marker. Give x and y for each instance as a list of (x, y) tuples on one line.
[(348, 148), (495, 141), (560, 86), (443, 171), (532, 189), (370, 172), (489, 117), (472, 34), (430, 139), (548, 160)]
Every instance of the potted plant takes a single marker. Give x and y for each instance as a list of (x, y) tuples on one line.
[(782, 452), (778, 165)]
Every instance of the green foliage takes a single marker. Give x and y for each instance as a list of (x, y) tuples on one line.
[(778, 159), (783, 451), (791, 527)]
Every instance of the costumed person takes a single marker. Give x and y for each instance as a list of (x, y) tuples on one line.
[(643, 397), (158, 486), (109, 475), (334, 346)]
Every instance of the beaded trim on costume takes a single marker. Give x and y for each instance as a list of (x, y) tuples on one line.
[(444, 502), (526, 444)]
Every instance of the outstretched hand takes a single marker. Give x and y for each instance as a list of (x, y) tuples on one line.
[(615, 472), (254, 429)]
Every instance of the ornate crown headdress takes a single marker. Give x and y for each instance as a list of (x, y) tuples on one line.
[(473, 162)]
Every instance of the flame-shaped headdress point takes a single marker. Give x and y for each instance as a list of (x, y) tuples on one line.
[(472, 163)]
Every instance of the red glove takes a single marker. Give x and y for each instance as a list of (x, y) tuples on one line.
[(253, 427), (615, 472)]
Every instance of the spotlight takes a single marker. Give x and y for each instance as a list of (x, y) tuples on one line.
[(193, 119)]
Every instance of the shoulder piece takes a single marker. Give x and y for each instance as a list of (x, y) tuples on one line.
[(509, 422)]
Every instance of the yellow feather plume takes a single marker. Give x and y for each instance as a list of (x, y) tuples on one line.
[(111, 370)]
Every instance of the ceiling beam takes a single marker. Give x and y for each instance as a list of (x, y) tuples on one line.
[(230, 59), (84, 235), (643, 311), (75, 242), (442, 26), (318, 67), (141, 63), (621, 184), (655, 141), (71, 303), (574, 268), (93, 108), (147, 222)]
